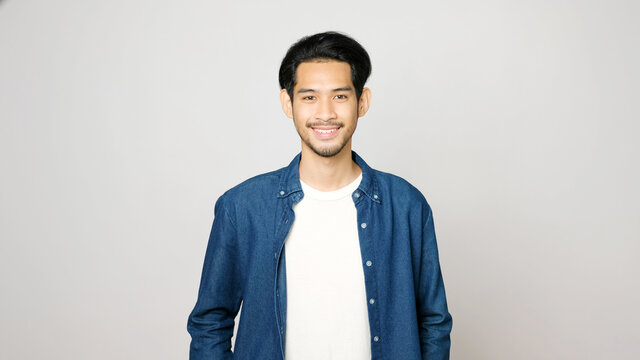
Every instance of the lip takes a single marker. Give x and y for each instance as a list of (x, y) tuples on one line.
[(325, 132)]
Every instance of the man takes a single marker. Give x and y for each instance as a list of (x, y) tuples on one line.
[(361, 278)]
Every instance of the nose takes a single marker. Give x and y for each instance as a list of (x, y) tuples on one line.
[(326, 110)]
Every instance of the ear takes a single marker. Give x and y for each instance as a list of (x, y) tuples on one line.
[(287, 106), (363, 103)]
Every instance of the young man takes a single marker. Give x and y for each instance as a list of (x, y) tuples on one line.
[(361, 278)]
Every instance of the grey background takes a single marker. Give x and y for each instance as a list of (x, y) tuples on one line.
[(123, 121)]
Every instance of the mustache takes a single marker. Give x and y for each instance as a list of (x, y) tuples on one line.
[(324, 123)]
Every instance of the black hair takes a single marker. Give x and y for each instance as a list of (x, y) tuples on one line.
[(328, 45)]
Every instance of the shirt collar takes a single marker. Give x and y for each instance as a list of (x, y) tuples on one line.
[(290, 179)]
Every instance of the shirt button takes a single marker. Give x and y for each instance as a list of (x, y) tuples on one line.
[(363, 225), (357, 195), (375, 196), (376, 339), (369, 263), (281, 192), (372, 300)]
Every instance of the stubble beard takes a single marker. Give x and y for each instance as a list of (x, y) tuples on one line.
[(328, 151)]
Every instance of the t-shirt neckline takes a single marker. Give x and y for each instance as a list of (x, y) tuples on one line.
[(331, 195)]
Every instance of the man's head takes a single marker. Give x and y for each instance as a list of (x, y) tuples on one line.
[(322, 79), (328, 45)]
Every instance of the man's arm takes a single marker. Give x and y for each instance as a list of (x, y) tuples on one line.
[(212, 320), (433, 316)]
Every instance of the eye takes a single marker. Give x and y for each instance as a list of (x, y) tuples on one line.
[(341, 97), (309, 98)]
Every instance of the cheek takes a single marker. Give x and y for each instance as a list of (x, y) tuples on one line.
[(302, 113), (299, 120), (349, 112)]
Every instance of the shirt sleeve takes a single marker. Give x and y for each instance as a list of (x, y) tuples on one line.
[(434, 319), (211, 322)]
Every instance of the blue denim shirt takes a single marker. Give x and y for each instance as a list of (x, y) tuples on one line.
[(245, 264)]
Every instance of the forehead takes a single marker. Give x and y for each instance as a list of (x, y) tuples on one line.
[(323, 72)]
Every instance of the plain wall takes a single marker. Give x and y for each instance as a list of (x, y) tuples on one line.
[(121, 122)]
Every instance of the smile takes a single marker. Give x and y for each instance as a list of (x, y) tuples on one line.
[(325, 133)]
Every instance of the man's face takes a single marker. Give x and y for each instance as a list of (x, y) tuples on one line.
[(324, 107)]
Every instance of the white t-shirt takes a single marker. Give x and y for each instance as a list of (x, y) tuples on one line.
[(326, 299)]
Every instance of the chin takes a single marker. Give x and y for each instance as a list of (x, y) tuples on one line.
[(328, 152), (327, 155)]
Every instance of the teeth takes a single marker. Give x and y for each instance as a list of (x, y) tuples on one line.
[(325, 131)]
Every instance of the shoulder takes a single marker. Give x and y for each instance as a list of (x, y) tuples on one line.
[(259, 184), (398, 187), (401, 195), (256, 189)]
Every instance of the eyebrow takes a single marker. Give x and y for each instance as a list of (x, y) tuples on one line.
[(343, 88)]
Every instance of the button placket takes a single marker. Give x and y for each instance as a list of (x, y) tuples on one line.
[(368, 254)]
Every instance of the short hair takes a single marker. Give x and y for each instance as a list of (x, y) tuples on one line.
[(328, 45)]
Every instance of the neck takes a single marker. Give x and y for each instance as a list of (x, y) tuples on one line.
[(328, 173)]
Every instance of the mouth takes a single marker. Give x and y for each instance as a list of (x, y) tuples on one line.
[(325, 132)]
